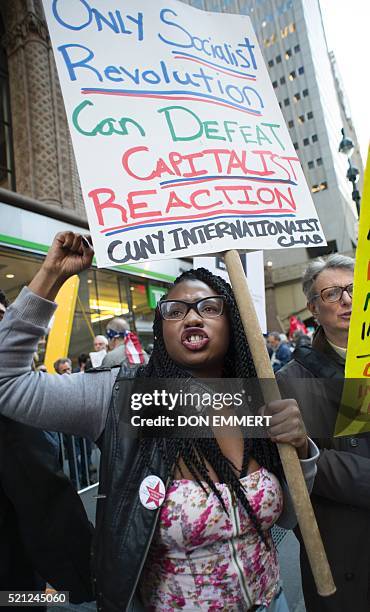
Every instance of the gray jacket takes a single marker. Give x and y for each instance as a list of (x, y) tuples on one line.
[(118, 357)]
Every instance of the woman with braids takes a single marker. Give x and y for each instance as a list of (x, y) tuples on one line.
[(181, 523)]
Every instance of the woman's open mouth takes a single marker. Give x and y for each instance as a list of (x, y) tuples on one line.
[(194, 339)]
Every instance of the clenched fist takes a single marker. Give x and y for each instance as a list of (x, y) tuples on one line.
[(69, 254)]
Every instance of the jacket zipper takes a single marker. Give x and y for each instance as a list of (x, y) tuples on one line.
[(146, 551), (238, 565)]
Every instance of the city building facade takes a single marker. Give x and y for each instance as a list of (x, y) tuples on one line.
[(39, 184), (292, 40)]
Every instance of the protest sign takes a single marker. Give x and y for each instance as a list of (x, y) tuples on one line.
[(254, 271), (180, 143), (354, 414)]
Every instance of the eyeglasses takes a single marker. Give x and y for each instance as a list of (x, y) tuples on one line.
[(207, 308), (334, 294)]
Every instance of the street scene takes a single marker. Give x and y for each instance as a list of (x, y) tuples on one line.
[(184, 305)]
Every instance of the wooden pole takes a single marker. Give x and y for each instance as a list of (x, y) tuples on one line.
[(288, 455)]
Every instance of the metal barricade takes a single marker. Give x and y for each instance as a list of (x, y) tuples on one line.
[(80, 460)]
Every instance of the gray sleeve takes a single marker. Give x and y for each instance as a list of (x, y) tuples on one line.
[(75, 403), (287, 518), (109, 360)]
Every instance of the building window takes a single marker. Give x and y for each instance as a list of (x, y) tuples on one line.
[(7, 178), (297, 49), (290, 123), (269, 41), (292, 75), (296, 146), (274, 84), (310, 115), (282, 80), (297, 97), (286, 102), (314, 138), (288, 54), (311, 165), (280, 104), (271, 63), (301, 70), (306, 142), (321, 187), (305, 93), (319, 161), (278, 59), (301, 119), (289, 29), (331, 247)]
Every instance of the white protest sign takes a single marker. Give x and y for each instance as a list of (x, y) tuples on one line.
[(180, 143), (254, 271)]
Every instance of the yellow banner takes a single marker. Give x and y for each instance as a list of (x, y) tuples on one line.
[(60, 333), (354, 415)]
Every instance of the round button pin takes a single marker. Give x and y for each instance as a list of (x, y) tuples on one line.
[(152, 492)]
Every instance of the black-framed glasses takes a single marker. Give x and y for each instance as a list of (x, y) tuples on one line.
[(207, 308), (334, 294)]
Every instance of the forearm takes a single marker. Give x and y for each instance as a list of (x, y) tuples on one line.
[(76, 403), (46, 284)]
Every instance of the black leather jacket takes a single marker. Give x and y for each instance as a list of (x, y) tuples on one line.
[(124, 527), (44, 529)]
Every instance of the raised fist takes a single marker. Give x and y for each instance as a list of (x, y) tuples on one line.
[(69, 254)]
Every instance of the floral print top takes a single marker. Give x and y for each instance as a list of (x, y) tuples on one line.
[(204, 559)]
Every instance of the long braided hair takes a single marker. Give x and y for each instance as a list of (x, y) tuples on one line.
[(195, 453)]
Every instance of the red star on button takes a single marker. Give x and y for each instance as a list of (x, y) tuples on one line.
[(152, 492), (155, 495)]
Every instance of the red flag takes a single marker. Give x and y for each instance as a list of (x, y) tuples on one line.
[(134, 349)]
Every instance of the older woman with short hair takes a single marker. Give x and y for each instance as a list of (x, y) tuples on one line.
[(341, 493)]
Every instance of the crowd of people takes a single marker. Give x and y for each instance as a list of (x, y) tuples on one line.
[(185, 523)]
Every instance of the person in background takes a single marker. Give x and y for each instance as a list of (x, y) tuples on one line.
[(75, 447), (341, 492), (299, 339), (83, 360), (100, 343), (124, 345), (149, 348), (3, 304), (63, 365), (280, 351), (97, 355), (37, 546)]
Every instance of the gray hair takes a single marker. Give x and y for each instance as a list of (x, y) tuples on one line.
[(319, 265), (61, 361), (101, 338)]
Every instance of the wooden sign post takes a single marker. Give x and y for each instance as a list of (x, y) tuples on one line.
[(288, 455)]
